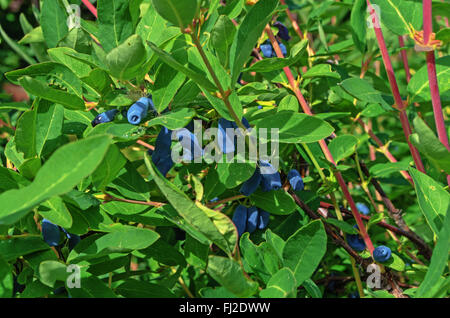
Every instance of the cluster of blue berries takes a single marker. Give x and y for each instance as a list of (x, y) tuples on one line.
[(52, 234), (380, 254), (135, 113), (283, 33), (249, 219)]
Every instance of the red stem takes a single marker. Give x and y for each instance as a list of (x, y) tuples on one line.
[(394, 87), (432, 78), (322, 143), (404, 56), (90, 7)]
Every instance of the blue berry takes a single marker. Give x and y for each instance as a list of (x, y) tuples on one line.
[(266, 49), (362, 208), (252, 219), (283, 31), (104, 117), (190, 144), (264, 218), (139, 110), (283, 49), (270, 178), (161, 156), (50, 233), (295, 179), (356, 242), (250, 186), (382, 253), (353, 295), (240, 219), (225, 139), (73, 241)]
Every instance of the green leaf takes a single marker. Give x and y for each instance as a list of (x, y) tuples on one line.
[(396, 263), (400, 15), (321, 70), (167, 83), (295, 127), (53, 22), (342, 225), (212, 224), (59, 72), (108, 169), (343, 146), (386, 169), (222, 37), (248, 34), (196, 253), (65, 169), (132, 288), (49, 123), (91, 287), (277, 202), (66, 56), (34, 36), (289, 103), (363, 91), (358, 24), (175, 119), (114, 23), (179, 13), (56, 211), (196, 77), (40, 89), (419, 86), (439, 261), (25, 136), (281, 285), (125, 61), (124, 238), (428, 144), (17, 247), (434, 201), (304, 250), (232, 174), (52, 271), (229, 274), (6, 279)]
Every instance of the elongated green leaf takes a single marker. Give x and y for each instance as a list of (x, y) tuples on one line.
[(304, 250), (179, 13), (108, 169), (229, 274), (56, 211), (358, 24), (419, 86), (49, 123), (275, 202), (248, 34), (363, 91), (132, 288), (196, 77), (125, 61), (343, 146), (295, 127), (321, 70), (25, 136), (114, 23), (40, 89), (175, 119), (53, 22), (65, 168), (281, 285), (433, 200), (400, 15), (439, 261), (428, 144)]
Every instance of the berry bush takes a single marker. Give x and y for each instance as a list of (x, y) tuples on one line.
[(353, 201)]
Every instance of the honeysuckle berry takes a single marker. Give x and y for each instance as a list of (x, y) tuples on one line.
[(50, 233), (362, 208), (270, 178), (161, 156), (104, 117), (356, 242), (382, 253), (225, 140), (353, 295), (252, 219), (190, 144), (263, 219), (295, 180), (240, 219), (250, 186), (139, 110), (268, 51), (283, 31)]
